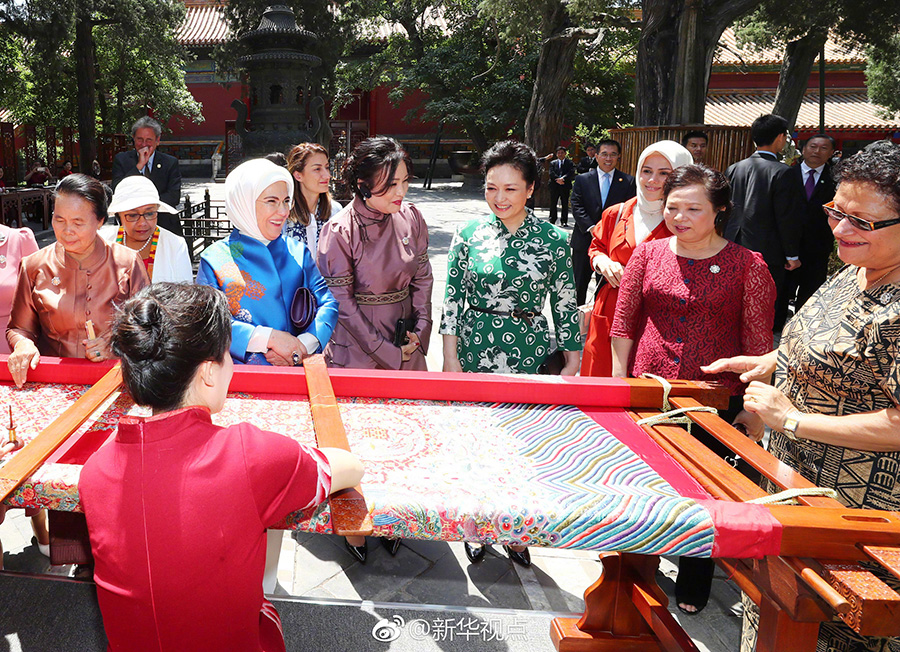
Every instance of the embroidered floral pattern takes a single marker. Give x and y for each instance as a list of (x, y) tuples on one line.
[(492, 269)]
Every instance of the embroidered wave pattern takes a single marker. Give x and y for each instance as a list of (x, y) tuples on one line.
[(608, 497)]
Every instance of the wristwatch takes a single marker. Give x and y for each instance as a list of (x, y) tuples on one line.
[(791, 423)]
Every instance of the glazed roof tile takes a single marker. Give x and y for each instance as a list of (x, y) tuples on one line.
[(730, 54), (204, 25), (843, 110)]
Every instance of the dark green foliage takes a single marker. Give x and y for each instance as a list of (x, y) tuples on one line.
[(139, 63)]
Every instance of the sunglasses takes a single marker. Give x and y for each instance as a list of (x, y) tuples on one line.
[(858, 222)]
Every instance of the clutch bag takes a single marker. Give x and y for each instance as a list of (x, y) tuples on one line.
[(303, 309)]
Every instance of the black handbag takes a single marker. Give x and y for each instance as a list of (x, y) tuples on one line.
[(303, 309), (553, 364), (404, 326)]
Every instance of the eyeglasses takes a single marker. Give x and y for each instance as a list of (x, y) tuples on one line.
[(134, 217), (858, 222)]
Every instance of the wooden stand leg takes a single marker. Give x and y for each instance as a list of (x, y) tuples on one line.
[(625, 611), (778, 633)]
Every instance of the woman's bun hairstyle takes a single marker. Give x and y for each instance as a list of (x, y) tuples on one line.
[(374, 161), (511, 152), (163, 334)]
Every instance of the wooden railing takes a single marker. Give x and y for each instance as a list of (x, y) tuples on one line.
[(203, 223)]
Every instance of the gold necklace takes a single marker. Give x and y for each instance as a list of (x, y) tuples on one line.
[(874, 283), (887, 295)]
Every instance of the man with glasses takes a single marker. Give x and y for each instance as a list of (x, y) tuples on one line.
[(813, 177), (593, 193), (767, 215), (161, 169)]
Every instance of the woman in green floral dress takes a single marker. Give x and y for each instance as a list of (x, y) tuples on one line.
[(501, 270)]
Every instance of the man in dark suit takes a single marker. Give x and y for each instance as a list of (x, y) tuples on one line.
[(592, 194), (160, 168), (766, 216), (813, 177), (588, 162), (562, 173)]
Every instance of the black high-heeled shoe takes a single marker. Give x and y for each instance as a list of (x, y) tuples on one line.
[(521, 558), (392, 545), (475, 553), (360, 553)]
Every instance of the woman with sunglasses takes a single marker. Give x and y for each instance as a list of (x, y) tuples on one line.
[(833, 407)]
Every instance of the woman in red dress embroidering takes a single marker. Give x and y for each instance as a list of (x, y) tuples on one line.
[(688, 299), (177, 507)]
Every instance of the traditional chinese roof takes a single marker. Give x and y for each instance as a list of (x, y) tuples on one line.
[(729, 53), (844, 110), (204, 25)]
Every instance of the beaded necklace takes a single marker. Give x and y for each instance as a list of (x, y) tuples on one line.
[(153, 240)]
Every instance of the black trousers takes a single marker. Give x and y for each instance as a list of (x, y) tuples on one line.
[(557, 192), (801, 283), (695, 574), (581, 265)]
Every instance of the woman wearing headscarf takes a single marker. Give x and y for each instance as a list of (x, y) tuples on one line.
[(260, 271), (621, 229)]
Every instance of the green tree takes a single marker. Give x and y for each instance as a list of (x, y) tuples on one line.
[(124, 49), (674, 61), (802, 28), (883, 77), (561, 25), (468, 76)]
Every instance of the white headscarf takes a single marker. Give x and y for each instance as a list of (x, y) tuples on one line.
[(649, 214), (244, 186)]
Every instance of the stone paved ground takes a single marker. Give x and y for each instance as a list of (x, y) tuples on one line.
[(423, 572)]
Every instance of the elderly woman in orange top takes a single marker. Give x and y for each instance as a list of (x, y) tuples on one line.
[(621, 229), (79, 279)]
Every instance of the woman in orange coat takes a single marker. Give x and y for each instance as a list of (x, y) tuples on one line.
[(621, 229)]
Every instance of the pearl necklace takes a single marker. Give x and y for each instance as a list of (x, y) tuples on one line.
[(125, 240)]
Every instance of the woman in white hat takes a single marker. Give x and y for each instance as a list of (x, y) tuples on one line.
[(136, 204)]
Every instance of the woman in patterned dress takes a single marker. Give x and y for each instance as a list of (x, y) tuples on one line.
[(833, 408), (260, 271), (687, 299), (502, 268), (313, 205)]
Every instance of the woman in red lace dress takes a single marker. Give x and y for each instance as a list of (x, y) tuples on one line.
[(688, 299)]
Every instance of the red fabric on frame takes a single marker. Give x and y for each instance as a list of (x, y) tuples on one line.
[(743, 530), (623, 428)]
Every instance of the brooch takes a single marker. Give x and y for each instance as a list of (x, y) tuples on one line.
[(2, 259), (55, 280), (886, 297), (405, 240), (715, 269)]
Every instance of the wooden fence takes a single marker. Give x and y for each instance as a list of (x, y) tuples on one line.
[(203, 223), (727, 145)]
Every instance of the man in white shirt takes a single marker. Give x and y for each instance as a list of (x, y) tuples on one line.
[(161, 169), (592, 194)]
